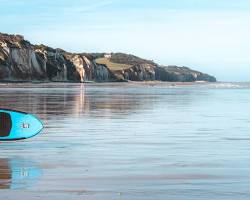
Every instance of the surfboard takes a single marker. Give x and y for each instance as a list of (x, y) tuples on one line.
[(17, 125)]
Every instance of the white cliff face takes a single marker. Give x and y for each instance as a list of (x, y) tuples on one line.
[(44, 60), (79, 64), (5, 47), (43, 63), (35, 65), (87, 61), (26, 62), (20, 60)]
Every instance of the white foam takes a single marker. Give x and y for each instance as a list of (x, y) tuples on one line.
[(230, 85)]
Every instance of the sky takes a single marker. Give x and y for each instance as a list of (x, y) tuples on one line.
[(211, 36)]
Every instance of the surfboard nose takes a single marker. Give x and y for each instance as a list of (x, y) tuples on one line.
[(31, 125)]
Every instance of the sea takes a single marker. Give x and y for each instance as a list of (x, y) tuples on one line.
[(133, 141)]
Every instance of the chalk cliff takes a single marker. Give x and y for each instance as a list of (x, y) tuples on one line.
[(22, 61)]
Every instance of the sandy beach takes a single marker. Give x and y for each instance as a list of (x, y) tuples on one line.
[(142, 141)]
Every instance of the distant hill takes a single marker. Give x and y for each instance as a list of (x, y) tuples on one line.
[(22, 61)]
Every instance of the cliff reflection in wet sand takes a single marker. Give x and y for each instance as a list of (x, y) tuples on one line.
[(71, 99), (5, 174)]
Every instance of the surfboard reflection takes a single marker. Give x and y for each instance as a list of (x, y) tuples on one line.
[(18, 173)]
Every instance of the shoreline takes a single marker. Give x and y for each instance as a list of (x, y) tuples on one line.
[(149, 83), (123, 84)]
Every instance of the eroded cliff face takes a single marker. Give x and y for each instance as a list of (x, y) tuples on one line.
[(181, 74), (18, 59), (149, 72), (22, 61), (139, 72)]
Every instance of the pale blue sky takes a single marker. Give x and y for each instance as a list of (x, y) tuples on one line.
[(208, 35)]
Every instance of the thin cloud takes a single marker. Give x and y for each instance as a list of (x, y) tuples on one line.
[(90, 7)]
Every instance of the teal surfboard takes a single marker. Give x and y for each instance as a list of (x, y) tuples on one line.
[(16, 125)]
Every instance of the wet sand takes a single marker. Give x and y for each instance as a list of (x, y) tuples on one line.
[(129, 141)]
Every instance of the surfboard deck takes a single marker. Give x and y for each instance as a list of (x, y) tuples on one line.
[(17, 125)]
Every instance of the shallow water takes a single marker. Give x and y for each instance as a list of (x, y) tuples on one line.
[(130, 141)]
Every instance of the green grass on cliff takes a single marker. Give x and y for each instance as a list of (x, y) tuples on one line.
[(111, 65)]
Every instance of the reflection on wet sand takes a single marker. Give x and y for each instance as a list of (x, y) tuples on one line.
[(5, 174), (74, 100), (17, 173)]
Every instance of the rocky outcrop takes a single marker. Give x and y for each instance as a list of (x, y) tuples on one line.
[(22, 61), (181, 74), (147, 70), (141, 72)]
